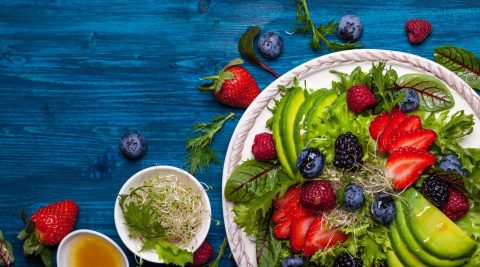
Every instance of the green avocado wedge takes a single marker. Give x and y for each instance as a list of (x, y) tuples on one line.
[(400, 224), (401, 250), (278, 135), (434, 231), (392, 259)]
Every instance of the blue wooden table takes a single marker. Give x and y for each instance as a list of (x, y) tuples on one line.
[(76, 75)]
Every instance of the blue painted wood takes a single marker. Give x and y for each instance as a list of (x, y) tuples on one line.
[(76, 75)]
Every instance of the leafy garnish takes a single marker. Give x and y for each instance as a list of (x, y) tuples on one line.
[(168, 252), (6, 252), (432, 93), (199, 153), (141, 221), (267, 246), (221, 251), (245, 47), (461, 61), (33, 245), (306, 25)]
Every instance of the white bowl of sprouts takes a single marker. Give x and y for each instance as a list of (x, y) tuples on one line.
[(162, 214)]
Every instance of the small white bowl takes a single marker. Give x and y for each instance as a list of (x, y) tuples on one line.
[(186, 179), (65, 246)]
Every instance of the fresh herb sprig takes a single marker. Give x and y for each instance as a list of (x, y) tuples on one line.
[(199, 153), (306, 25)]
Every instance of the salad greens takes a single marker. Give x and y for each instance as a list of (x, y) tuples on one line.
[(461, 61)]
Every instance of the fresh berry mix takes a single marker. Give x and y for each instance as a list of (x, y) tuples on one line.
[(348, 152), (410, 100), (133, 145), (270, 45), (263, 147), (203, 254), (350, 28), (318, 196), (420, 139), (383, 208), (360, 98), (451, 163), (353, 197), (457, 204), (417, 30), (310, 162), (292, 261), (435, 190), (344, 259)]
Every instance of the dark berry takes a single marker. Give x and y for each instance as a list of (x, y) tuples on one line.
[(348, 152), (410, 100), (383, 208), (133, 145), (270, 45), (350, 28), (353, 197), (318, 196), (452, 163), (435, 190), (310, 162), (344, 259), (292, 261)]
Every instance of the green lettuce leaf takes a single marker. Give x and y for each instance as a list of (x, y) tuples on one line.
[(170, 253), (461, 61)]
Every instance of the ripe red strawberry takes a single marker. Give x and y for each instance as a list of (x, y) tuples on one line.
[(411, 123), (405, 165), (263, 147), (233, 86), (283, 212), (359, 98), (417, 30), (457, 204), (319, 237), (397, 118), (291, 192), (203, 254), (318, 196), (282, 229), (47, 227), (378, 125), (419, 139), (299, 230)]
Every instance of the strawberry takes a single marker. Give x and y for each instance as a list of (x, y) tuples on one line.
[(47, 227), (419, 139), (457, 204), (203, 254), (291, 192), (417, 30), (283, 212), (233, 86), (411, 123), (405, 165), (299, 229), (378, 125), (319, 237), (397, 118), (263, 147), (359, 98), (282, 229)]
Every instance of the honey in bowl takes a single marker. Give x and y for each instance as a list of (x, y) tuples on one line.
[(93, 251)]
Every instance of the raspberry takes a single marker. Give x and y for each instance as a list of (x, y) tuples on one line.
[(203, 254), (456, 206), (263, 147), (348, 151), (435, 190), (417, 30), (359, 98), (318, 196)]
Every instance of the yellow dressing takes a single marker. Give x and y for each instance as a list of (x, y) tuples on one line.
[(93, 251)]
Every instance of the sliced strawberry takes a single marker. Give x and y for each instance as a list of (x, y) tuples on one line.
[(318, 237), (397, 118), (282, 230), (291, 192), (419, 139), (281, 213), (299, 230), (378, 125), (405, 165), (410, 124)]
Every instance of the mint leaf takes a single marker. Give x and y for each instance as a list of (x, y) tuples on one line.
[(461, 61), (6, 252)]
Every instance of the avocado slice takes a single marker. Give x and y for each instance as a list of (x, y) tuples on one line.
[(434, 231), (401, 224), (318, 110), (401, 250), (278, 135), (392, 259)]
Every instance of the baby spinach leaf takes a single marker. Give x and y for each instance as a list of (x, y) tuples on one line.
[(461, 61), (433, 93)]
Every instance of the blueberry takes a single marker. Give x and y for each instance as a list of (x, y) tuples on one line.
[(350, 28), (410, 101), (292, 261), (310, 162), (452, 163), (270, 45), (133, 145), (383, 208), (353, 197)]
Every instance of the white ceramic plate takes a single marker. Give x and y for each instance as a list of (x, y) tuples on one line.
[(316, 73)]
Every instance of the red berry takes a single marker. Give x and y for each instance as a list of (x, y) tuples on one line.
[(457, 204), (359, 98), (397, 118), (319, 237), (378, 125), (263, 147), (203, 254), (318, 196), (417, 30), (420, 139)]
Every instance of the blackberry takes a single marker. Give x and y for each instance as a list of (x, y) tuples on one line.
[(435, 190), (344, 259), (348, 151)]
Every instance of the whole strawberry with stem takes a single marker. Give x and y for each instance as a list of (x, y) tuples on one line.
[(47, 227), (233, 86)]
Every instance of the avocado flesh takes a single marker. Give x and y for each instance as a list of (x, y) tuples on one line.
[(392, 259), (401, 224), (277, 129), (289, 115), (434, 231), (401, 250)]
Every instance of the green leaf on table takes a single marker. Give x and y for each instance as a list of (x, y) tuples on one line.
[(433, 93), (6, 252), (221, 251), (461, 61)]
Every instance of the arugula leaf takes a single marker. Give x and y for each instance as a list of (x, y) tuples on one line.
[(6, 252), (461, 61)]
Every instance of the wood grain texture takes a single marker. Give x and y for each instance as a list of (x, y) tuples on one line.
[(76, 75)]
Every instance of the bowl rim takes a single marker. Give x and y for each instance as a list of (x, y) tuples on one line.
[(119, 219), (64, 245)]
